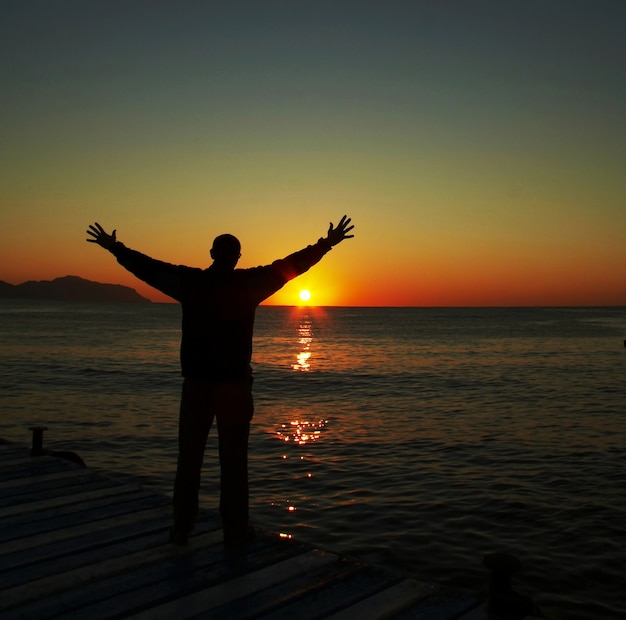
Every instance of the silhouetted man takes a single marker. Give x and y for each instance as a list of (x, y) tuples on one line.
[(218, 306)]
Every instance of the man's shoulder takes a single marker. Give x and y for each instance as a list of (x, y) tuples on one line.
[(255, 273)]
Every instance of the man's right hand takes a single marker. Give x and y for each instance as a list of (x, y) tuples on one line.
[(100, 237)]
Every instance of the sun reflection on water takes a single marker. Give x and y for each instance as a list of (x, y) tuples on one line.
[(305, 337), (297, 430), (301, 431)]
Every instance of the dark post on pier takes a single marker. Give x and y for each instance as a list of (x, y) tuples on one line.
[(37, 446)]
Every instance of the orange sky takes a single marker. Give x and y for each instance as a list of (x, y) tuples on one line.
[(480, 153)]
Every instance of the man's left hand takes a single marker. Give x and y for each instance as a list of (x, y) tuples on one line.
[(337, 235)]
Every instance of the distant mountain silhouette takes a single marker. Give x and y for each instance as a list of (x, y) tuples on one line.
[(70, 288)]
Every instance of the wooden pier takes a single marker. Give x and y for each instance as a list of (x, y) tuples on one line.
[(75, 543)]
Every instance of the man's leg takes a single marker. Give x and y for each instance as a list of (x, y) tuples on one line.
[(233, 441), (234, 412), (196, 417)]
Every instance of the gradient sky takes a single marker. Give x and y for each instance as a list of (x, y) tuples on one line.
[(479, 146)]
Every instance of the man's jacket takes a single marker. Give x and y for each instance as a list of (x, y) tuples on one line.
[(218, 305)]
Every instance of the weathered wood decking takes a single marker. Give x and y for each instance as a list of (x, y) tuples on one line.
[(75, 543)]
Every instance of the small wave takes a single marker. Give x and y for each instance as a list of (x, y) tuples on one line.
[(100, 371)]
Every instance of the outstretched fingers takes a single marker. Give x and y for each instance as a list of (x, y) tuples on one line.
[(100, 236), (95, 231), (338, 234), (344, 226)]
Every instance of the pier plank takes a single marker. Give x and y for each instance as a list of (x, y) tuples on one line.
[(443, 605), (237, 588), (16, 527), (167, 581), (83, 559), (92, 528), (31, 466), (139, 587), (274, 597), (337, 595), (11, 450), (386, 603), (71, 546), (66, 500), (16, 461), (59, 478), (33, 493), (77, 543), (42, 587)]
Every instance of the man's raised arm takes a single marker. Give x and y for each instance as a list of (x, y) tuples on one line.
[(165, 277), (299, 262)]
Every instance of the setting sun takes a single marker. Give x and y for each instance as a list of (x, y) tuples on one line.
[(305, 295)]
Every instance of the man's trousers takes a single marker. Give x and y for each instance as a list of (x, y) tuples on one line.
[(230, 404)]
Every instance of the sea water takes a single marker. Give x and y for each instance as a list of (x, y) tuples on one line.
[(413, 438)]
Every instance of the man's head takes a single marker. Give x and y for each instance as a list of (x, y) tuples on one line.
[(226, 251)]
